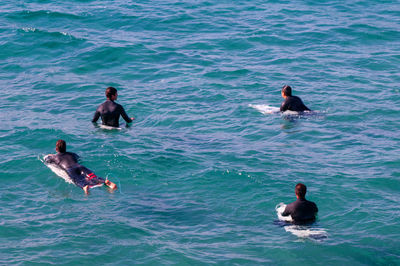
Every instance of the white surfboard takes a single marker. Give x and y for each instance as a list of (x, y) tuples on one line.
[(265, 108), (268, 109), (58, 171), (301, 231), (110, 127)]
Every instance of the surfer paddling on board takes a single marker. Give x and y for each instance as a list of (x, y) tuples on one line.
[(302, 211), (80, 175), (292, 103), (111, 111)]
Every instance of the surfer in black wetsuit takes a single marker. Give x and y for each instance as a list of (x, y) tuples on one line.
[(302, 211), (80, 175), (292, 103), (111, 111)]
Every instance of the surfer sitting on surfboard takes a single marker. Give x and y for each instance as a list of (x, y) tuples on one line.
[(111, 111), (80, 175), (302, 210), (292, 103)]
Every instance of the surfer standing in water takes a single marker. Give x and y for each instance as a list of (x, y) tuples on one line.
[(302, 211), (292, 103), (111, 111), (79, 174)]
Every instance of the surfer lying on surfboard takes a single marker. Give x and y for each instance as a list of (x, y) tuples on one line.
[(79, 174)]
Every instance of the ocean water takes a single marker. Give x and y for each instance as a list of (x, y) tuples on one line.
[(200, 170)]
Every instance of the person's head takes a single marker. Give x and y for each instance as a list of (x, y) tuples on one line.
[(61, 146), (286, 91), (300, 191), (111, 93)]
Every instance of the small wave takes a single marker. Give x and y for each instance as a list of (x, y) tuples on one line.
[(38, 14), (49, 33), (227, 73)]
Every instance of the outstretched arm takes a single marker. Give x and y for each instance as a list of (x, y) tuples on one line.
[(125, 116)]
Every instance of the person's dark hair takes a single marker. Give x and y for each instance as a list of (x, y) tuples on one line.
[(61, 146), (300, 190), (287, 90), (110, 91)]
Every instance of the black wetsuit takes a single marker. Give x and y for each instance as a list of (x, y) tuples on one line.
[(302, 211), (293, 103), (80, 175), (110, 112)]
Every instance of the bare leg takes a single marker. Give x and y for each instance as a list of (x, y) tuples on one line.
[(111, 185), (86, 189)]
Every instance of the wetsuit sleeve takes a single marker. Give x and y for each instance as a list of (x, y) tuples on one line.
[(284, 106), (124, 115), (96, 116)]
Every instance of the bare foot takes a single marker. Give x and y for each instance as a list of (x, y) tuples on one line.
[(111, 185), (86, 189)]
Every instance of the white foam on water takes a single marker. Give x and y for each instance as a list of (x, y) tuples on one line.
[(265, 108), (28, 29), (301, 231)]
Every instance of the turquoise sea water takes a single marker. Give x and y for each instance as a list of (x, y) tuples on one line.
[(199, 171)]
